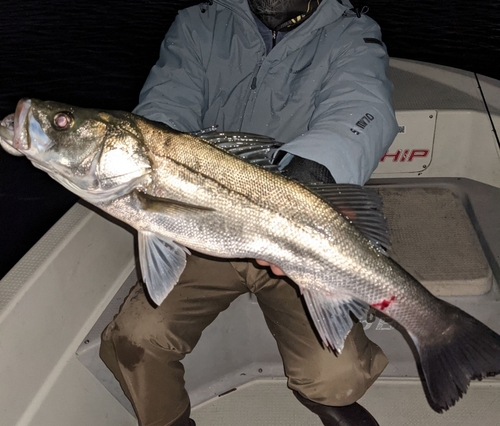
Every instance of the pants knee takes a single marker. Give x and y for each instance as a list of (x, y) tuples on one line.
[(139, 328), (137, 322), (341, 380), (332, 391), (118, 331)]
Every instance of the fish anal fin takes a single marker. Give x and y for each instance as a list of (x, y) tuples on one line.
[(331, 314)]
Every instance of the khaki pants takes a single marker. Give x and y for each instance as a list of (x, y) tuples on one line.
[(143, 345)]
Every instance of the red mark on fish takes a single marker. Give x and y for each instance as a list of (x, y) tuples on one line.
[(384, 304)]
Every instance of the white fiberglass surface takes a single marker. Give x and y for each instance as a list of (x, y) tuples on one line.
[(393, 402)]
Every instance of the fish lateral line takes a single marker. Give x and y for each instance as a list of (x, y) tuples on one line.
[(256, 201)]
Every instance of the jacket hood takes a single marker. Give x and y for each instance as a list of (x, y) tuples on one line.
[(327, 12)]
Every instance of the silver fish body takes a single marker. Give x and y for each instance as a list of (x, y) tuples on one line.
[(179, 191)]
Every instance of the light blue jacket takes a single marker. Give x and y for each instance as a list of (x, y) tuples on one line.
[(322, 90)]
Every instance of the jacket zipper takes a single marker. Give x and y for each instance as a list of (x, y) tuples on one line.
[(254, 80), (253, 86)]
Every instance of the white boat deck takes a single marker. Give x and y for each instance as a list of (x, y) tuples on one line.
[(393, 402)]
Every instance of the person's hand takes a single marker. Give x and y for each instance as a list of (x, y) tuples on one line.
[(276, 271)]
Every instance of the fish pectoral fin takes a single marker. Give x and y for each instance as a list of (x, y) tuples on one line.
[(362, 206), (165, 205), (331, 314), (162, 262)]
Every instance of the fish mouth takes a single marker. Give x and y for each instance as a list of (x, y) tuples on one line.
[(15, 137), (7, 135), (21, 116), (14, 134)]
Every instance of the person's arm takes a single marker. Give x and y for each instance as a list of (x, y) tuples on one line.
[(174, 90), (353, 124)]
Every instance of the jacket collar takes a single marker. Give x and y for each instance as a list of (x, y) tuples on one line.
[(327, 12)]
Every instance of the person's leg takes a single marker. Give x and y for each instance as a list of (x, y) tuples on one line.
[(315, 373), (144, 344)]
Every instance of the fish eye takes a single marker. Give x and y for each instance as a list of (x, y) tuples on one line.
[(63, 120)]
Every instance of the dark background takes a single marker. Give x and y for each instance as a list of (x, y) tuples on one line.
[(98, 54)]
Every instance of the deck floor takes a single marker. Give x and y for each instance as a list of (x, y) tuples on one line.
[(393, 402)]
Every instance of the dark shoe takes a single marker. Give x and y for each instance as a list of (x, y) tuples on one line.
[(349, 415), (184, 420)]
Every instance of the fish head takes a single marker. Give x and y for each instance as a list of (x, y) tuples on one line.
[(98, 155)]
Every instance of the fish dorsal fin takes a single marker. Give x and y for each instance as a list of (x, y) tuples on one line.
[(360, 205), (255, 149), (331, 314), (162, 262)]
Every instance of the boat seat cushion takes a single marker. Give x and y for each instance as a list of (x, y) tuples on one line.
[(434, 239)]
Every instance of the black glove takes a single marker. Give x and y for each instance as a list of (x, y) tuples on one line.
[(307, 171)]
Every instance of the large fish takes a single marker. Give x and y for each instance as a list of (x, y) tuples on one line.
[(181, 191)]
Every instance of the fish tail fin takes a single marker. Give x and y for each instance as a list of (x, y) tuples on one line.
[(464, 349)]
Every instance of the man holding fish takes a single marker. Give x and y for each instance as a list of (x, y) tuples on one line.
[(304, 72)]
